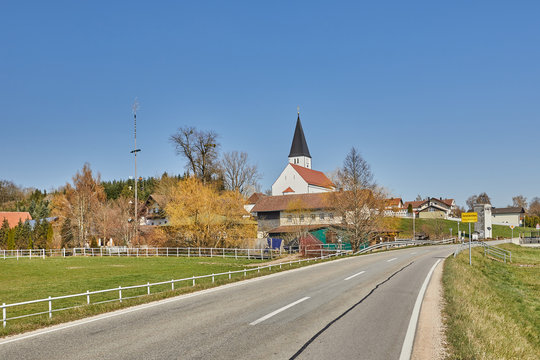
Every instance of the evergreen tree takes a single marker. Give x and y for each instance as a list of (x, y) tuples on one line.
[(11, 240), (4, 233)]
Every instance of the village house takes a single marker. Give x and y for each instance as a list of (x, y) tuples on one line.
[(507, 216), (13, 217), (153, 211), (432, 208)]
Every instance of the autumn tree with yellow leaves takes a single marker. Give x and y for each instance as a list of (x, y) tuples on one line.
[(206, 217)]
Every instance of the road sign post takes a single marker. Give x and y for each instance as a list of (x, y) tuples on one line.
[(470, 217), (512, 227)]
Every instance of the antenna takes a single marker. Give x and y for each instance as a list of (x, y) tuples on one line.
[(134, 108), (298, 110)]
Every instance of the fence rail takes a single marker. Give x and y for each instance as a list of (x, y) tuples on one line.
[(403, 243), (260, 253), (88, 294), (502, 254)]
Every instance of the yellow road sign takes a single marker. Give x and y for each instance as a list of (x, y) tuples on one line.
[(470, 217)]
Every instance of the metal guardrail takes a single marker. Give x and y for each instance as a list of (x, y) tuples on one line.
[(502, 254), (403, 243), (141, 252), (148, 286)]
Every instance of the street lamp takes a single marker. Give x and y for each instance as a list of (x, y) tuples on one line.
[(134, 152)]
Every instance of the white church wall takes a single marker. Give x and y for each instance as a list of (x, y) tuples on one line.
[(289, 178), (303, 161)]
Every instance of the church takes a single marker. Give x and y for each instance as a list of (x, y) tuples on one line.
[(298, 177), (297, 184)]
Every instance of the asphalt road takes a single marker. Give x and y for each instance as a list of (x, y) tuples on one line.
[(354, 308)]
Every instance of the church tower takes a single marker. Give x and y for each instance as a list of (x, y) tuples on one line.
[(299, 154)]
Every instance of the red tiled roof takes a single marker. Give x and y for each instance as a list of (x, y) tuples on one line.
[(255, 197), (313, 177), (393, 202), (288, 190), (281, 202), (415, 204), (13, 217)]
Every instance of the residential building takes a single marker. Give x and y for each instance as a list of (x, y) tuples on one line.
[(13, 217), (432, 208), (507, 216), (153, 211)]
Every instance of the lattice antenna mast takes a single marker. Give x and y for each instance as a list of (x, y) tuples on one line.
[(135, 107)]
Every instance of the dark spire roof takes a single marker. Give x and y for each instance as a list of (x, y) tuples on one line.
[(299, 145)]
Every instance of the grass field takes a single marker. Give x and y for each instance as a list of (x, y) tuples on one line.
[(443, 227), (492, 309), (27, 279)]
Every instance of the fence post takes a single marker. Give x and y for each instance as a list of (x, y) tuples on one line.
[(244, 272), (188, 251), (172, 284), (223, 252), (199, 251), (229, 274), (258, 269), (148, 288), (177, 252), (137, 252), (64, 252), (43, 253), (167, 251), (248, 253), (193, 280), (236, 253), (17, 254), (4, 314), (210, 252), (212, 277), (120, 293), (88, 297), (50, 307)]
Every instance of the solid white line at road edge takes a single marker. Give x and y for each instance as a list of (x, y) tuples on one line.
[(391, 259), (350, 277), (406, 349), (278, 311)]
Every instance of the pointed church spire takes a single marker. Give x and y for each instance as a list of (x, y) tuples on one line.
[(299, 145)]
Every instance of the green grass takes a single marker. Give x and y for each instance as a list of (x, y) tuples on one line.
[(443, 227), (492, 309), (27, 279)]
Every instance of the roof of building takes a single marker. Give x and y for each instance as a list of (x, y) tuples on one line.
[(159, 199), (281, 202), (13, 217), (299, 145), (295, 228), (415, 204), (393, 202), (313, 177), (508, 210), (254, 198)]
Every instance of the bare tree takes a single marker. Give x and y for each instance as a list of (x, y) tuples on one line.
[(359, 203), (483, 198), (200, 149), (418, 197), (471, 201), (534, 206), (238, 174), (519, 201)]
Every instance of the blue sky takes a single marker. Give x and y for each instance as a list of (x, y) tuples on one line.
[(441, 98)]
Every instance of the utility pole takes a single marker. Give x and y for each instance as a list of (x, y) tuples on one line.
[(134, 152)]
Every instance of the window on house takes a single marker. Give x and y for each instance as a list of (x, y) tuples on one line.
[(331, 216), (312, 216), (321, 216), (301, 218), (289, 218)]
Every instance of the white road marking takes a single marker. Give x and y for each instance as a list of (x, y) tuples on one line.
[(350, 277), (392, 259), (266, 317), (406, 349)]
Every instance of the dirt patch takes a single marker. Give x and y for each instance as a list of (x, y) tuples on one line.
[(74, 267), (287, 258), (429, 341)]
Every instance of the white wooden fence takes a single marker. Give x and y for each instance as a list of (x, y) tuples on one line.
[(190, 280), (142, 252)]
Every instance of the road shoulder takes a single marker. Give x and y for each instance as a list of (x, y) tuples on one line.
[(429, 341)]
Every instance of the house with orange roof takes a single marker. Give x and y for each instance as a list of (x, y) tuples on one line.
[(13, 217)]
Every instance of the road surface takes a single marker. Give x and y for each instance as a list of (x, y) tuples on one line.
[(352, 308)]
